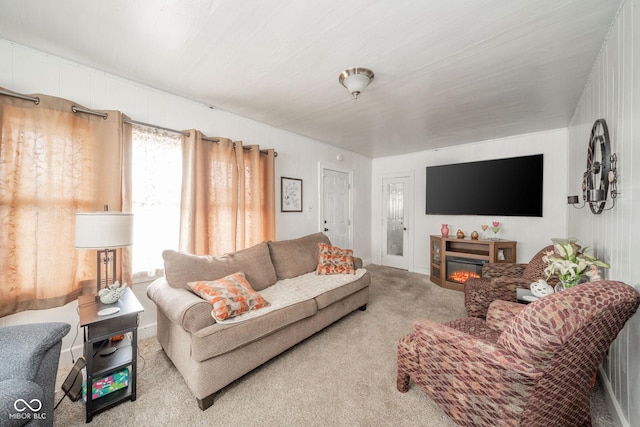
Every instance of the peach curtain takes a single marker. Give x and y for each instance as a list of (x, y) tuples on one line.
[(228, 200), (257, 208), (54, 163)]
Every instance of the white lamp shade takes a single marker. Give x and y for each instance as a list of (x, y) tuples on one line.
[(356, 83), (103, 230), (355, 79)]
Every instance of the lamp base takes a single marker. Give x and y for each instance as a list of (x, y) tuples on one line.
[(106, 257)]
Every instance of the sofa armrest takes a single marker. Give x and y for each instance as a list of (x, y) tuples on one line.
[(505, 288), (450, 363), (357, 262), (490, 360), (23, 347), (501, 313), (502, 269), (181, 306)]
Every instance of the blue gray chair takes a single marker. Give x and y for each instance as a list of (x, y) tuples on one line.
[(29, 356)]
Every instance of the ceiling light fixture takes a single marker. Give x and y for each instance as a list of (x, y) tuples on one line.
[(355, 80)]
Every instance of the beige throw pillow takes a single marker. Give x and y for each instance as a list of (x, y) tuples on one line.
[(293, 258), (181, 268)]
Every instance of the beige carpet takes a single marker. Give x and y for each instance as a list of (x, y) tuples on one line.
[(342, 376)]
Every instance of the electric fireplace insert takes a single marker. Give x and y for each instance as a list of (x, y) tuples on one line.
[(459, 269)]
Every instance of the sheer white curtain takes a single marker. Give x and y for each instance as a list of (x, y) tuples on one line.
[(156, 185)]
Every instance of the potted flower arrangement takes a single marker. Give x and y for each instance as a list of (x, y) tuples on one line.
[(571, 263)]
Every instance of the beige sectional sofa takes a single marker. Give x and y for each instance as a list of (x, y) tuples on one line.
[(210, 354)]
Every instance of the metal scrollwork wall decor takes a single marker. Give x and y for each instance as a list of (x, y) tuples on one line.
[(601, 176), (595, 181)]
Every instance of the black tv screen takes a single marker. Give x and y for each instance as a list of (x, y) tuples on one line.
[(505, 187)]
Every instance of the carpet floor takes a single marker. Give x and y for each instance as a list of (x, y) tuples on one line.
[(344, 375)]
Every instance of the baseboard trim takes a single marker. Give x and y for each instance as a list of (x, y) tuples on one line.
[(68, 356), (419, 271), (148, 331), (612, 404)]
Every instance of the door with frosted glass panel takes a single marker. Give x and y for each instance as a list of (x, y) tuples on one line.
[(395, 222)]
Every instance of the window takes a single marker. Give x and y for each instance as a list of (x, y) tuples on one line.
[(156, 186)]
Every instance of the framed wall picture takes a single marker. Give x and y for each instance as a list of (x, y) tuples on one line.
[(291, 194)]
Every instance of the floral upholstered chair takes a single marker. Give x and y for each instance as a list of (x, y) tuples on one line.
[(500, 281), (526, 365)]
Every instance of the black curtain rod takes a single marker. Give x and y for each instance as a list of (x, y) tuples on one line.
[(75, 109)]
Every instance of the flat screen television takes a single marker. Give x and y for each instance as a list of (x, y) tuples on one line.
[(501, 187)]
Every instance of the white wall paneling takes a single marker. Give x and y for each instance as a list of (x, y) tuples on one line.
[(613, 93)]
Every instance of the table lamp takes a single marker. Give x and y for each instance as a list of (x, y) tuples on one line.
[(104, 231)]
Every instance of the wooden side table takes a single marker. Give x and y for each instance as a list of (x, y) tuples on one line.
[(104, 356)]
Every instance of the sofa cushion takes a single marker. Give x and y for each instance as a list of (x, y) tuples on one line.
[(334, 260), (292, 258), (230, 296), (181, 268), (327, 298), (222, 338), (298, 289)]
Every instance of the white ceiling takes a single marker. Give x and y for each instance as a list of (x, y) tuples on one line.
[(447, 72)]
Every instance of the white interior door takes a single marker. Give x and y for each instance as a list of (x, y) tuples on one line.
[(395, 221), (335, 215)]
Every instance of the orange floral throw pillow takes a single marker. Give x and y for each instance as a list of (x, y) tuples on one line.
[(334, 260), (230, 296)]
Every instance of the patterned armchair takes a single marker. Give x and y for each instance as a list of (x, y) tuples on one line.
[(499, 282), (526, 365)]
